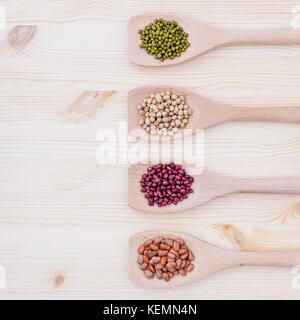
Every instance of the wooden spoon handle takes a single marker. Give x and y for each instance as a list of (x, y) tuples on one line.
[(269, 37), (271, 258), (275, 185), (273, 114)]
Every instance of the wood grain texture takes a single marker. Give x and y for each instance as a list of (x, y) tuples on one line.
[(63, 217)]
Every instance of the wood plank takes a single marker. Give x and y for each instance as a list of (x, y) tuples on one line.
[(261, 11)]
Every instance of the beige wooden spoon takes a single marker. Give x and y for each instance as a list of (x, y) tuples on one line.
[(207, 113), (207, 186), (203, 37), (208, 259)]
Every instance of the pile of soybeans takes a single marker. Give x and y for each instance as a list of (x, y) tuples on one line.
[(164, 113)]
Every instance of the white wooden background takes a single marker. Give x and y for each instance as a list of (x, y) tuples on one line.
[(64, 219)]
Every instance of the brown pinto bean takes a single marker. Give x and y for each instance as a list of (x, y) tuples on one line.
[(191, 256), (158, 266), (164, 246), (140, 260), (183, 264), (184, 256), (178, 263), (181, 251), (148, 274), (159, 274), (169, 242), (148, 242), (171, 275), (181, 241), (164, 269), (182, 272), (144, 266), (171, 255), (146, 259), (154, 260), (153, 247), (158, 240), (141, 249), (171, 265), (151, 254), (150, 268), (176, 254), (163, 260), (176, 245), (190, 268), (166, 277), (162, 253)]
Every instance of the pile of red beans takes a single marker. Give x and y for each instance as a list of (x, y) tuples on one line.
[(166, 184)]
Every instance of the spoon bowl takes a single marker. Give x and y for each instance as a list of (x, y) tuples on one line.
[(205, 186), (206, 113), (202, 38), (199, 249)]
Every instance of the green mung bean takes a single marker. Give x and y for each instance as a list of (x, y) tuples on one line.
[(164, 39)]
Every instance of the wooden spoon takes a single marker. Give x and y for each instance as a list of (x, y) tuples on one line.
[(203, 37), (207, 113), (207, 186), (208, 259)]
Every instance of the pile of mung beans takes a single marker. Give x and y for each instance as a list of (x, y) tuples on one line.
[(164, 39), (163, 113), (165, 258)]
